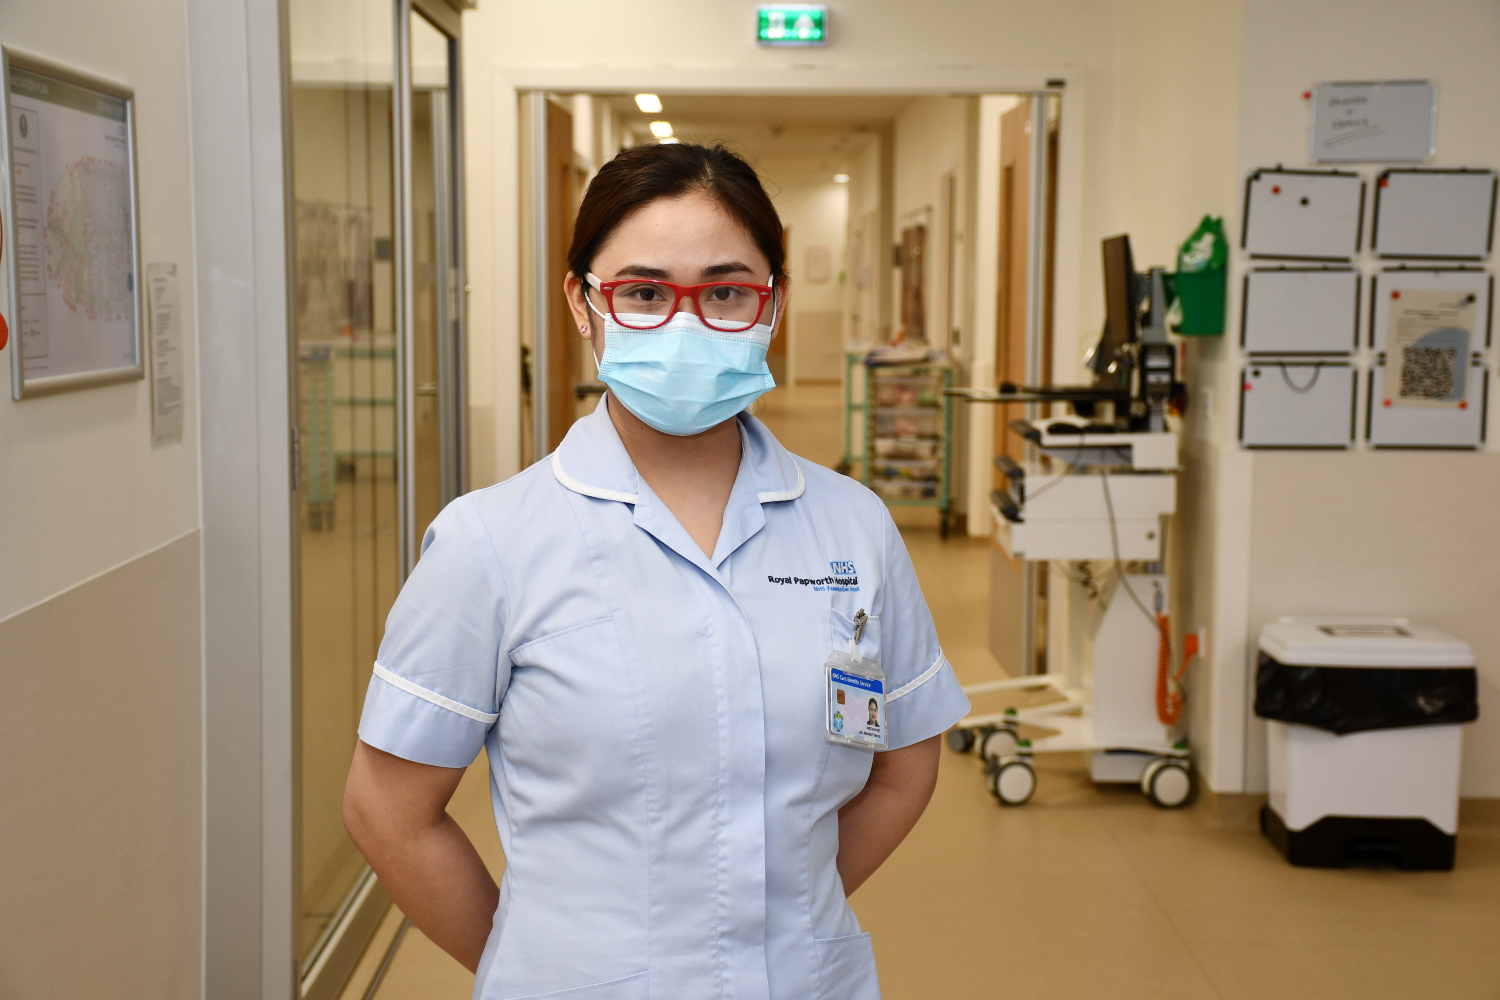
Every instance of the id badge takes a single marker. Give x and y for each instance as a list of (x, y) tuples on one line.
[(856, 702)]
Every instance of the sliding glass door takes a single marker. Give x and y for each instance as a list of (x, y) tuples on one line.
[(378, 347)]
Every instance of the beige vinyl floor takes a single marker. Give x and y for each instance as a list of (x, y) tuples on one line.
[(1088, 891)]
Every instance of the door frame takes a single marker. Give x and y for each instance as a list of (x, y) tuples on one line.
[(510, 83)]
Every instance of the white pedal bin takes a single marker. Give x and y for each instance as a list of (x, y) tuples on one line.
[(1364, 739)]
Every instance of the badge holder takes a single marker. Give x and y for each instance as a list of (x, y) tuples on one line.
[(855, 694)]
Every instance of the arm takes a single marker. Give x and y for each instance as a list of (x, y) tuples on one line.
[(874, 822), (395, 810)]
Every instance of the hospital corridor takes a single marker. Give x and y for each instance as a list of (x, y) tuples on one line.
[(749, 501)]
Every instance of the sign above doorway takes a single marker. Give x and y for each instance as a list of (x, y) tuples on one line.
[(791, 24)]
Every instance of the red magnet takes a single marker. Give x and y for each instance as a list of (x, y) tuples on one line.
[(1387, 402), (1395, 295), (1463, 404), (1276, 189)]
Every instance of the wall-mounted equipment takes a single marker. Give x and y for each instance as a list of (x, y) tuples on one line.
[(1296, 403), (1427, 395), (1434, 214), (1392, 122), (1414, 300), (67, 160), (1303, 214), (1300, 310)]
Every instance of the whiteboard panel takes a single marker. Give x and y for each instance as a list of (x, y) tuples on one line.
[(1434, 214), (1297, 404), (1373, 122), (1387, 287), (1391, 425), (1303, 215), (1301, 311)]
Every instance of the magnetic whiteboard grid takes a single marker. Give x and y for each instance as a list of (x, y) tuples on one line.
[(1301, 311), (1434, 214), (1297, 404), (1477, 283), (1424, 427), (1303, 215)]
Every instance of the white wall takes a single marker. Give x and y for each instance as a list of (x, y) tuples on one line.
[(101, 826), (1174, 159), (84, 489), (816, 211), (1366, 532)]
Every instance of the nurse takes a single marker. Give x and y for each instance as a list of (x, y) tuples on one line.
[(645, 631)]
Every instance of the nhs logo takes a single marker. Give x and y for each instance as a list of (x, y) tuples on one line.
[(842, 567)]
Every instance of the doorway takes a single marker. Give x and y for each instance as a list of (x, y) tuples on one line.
[(378, 342)]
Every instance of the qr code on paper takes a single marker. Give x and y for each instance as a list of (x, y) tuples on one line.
[(1427, 372)]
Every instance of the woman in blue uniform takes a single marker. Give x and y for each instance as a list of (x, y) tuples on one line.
[(644, 631)]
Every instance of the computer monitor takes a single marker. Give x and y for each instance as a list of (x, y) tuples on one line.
[(1111, 363)]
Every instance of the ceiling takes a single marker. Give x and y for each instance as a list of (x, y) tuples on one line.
[(779, 135)]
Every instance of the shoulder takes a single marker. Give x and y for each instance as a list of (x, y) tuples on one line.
[(825, 486), (531, 492)]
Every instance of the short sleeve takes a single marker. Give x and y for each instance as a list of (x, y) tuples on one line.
[(923, 696), (441, 673)]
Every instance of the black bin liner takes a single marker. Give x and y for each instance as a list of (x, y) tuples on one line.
[(1357, 699)]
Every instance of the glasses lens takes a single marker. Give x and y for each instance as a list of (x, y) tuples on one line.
[(642, 304), (729, 307)]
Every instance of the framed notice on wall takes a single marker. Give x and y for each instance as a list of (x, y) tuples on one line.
[(72, 261)]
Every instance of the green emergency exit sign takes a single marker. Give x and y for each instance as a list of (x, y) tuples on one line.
[(792, 24)]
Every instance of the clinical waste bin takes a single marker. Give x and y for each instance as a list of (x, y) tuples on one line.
[(1365, 733)]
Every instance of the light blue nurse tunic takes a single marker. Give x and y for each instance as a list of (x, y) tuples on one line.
[(654, 718)]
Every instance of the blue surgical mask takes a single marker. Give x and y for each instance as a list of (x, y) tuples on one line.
[(684, 377)]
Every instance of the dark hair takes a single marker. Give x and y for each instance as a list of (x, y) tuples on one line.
[(666, 170)]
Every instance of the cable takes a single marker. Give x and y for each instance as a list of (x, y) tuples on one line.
[(1114, 542), (1168, 694), (1317, 370)]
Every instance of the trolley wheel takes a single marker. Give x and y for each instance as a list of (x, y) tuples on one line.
[(998, 743), (1012, 780), (943, 526), (960, 740), (1167, 782)]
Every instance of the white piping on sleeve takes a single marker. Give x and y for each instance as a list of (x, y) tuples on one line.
[(588, 491), (791, 494), (433, 697), (918, 681)]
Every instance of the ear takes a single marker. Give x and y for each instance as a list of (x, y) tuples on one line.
[(783, 297), (583, 317)]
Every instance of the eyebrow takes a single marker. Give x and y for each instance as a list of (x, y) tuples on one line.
[(659, 274)]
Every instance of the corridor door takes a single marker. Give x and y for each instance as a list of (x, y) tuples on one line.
[(378, 390), (1023, 352)]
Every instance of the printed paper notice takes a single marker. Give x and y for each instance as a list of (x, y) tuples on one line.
[(1427, 348), (165, 313)]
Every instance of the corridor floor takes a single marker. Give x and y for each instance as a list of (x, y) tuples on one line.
[(1087, 891)]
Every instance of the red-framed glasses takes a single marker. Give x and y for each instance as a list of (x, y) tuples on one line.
[(645, 304)]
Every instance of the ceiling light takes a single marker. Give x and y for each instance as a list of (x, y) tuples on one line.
[(661, 129), (649, 104), (841, 178)]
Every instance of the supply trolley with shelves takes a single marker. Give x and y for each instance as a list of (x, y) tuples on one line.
[(906, 456)]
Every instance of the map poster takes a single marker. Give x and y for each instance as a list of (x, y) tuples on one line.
[(78, 315), (1427, 344)]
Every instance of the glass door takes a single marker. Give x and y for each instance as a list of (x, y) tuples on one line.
[(378, 343)]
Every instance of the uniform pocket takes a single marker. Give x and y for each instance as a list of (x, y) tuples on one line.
[(846, 968), (629, 988)]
